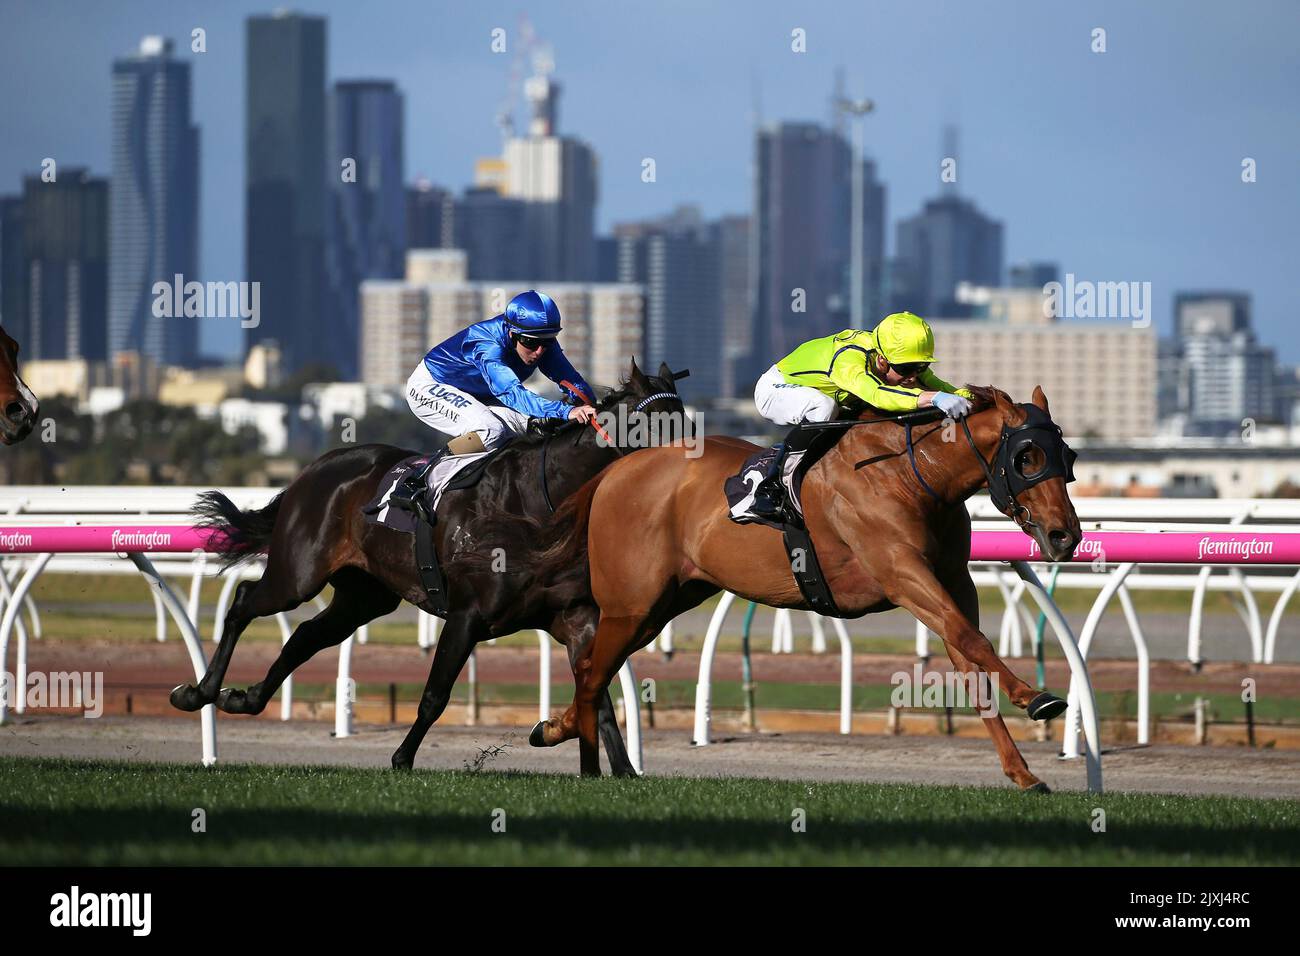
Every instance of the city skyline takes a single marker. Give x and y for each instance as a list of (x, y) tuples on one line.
[(1124, 157)]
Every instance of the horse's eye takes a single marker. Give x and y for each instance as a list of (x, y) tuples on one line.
[(1029, 461)]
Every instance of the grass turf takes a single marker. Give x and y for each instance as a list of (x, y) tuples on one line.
[(83, 812)]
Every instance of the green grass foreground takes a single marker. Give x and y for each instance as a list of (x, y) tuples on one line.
[(83, 812)]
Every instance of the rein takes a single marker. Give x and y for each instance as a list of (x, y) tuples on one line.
[(1013, 509)]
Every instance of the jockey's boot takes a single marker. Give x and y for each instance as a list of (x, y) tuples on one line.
[(769, 496), (409, 493)]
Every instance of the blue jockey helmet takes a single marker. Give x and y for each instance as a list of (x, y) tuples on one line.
[(533, 313)]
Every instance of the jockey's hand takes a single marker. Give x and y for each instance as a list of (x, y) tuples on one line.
[(582, 413), (954, 406)]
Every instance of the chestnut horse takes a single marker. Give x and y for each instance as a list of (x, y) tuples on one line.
[(18, 406), (889, 524)]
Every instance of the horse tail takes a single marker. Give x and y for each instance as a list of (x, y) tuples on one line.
[(237, 535)]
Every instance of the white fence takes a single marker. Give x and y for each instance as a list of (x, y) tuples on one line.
[(90, 504)]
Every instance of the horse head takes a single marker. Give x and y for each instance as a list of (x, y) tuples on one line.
[(18, 406), (646, 409), (1029, 467)]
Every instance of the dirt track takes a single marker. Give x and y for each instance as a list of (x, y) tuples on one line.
[(926, 760)]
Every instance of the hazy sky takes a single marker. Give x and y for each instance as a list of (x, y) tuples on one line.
[(1123, 165)]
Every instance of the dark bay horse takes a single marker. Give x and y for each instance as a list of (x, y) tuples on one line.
[(314, 533), (655, 531), (18, 406)]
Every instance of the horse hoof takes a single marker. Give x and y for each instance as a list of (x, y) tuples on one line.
[(402, 762), (1045, 706), (1039, 787), (185, 697), (537, 736), (230, 701)]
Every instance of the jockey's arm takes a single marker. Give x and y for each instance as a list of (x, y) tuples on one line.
[(506, 387), (849, 372), (556, 366), (934, 383)]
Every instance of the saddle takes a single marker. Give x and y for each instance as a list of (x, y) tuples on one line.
[(794, 530), (407, 502)]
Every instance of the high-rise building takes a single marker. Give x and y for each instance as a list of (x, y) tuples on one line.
[(949, 242), (492, 229), (430, 216), (800, 267), (65, 256), (731, 238), (154, 203), (676, 259), (366, 229), (1032, 275), (556, 177), (285, 197), (13, 272), (1215, 373)]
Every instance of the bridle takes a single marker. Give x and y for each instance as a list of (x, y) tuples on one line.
[(1004, 471), (640, 406)]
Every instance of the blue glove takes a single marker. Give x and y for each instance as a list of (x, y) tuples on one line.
[(953, 406)]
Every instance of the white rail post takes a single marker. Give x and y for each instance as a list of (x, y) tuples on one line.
[(190, 634), (1009, 633), (343, 692), (1194, 622), (632, 715), (159, 618), (1070, 740), (704, 683), (1078, 668), (666, 639), (1251, 617), (286, 689), (13, 608), (1144, 666), (196, 584), (1275, 619), (818, 633), (846, 676), (922, 641), (543, 675)]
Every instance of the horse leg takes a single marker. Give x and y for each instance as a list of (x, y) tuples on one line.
[(461, 633), (615, 639), (556, 730), (915, 587), (966, 595), (274, 592), (358, 599)]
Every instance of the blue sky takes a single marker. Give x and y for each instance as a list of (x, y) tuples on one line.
[(1123, 165)]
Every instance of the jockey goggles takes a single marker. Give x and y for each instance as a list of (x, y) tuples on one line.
[(531, 342), (908, 369)]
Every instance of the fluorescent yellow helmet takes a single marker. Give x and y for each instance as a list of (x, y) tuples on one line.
[(904, 337)]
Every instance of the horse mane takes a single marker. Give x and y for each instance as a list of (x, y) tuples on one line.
[(985, 397)]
